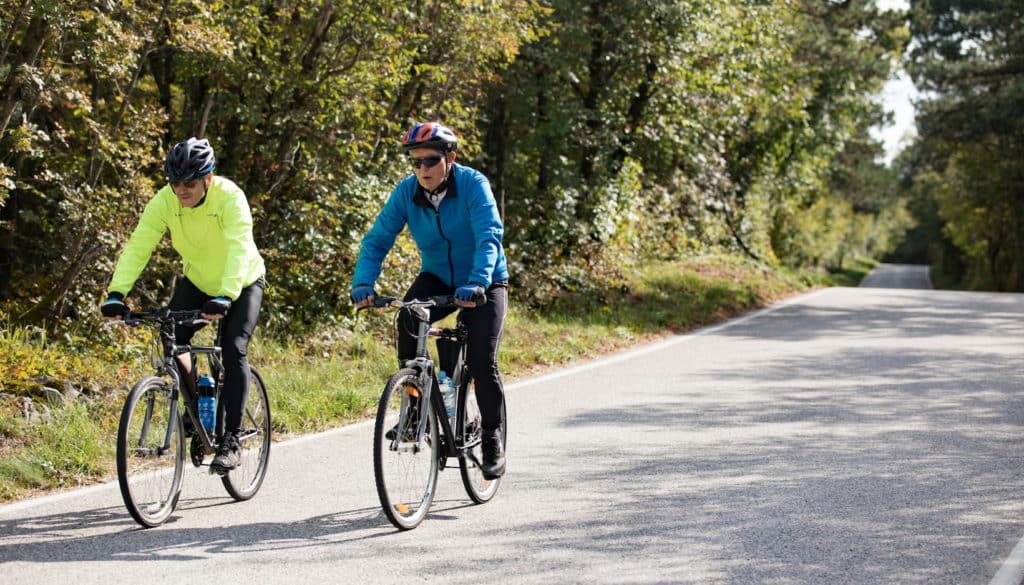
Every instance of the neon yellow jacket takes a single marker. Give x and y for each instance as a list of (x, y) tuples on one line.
[(214, 240)]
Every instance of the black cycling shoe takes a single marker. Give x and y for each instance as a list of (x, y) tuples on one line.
[(229, 455), (412, 424), (409, 436), (493, 464)]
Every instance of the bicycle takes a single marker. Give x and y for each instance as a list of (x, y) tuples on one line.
[(152, 430), (411, 444)]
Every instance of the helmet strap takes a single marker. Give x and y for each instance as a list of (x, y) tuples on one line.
[(448, 173), (206, 190)]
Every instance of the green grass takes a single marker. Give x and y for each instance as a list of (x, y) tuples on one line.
[(335, 376), (852, 273), (68, 448)]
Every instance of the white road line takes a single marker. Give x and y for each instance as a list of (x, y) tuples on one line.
[(1012, 571), (599, 362)]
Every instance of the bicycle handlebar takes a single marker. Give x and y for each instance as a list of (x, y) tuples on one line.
[(440, 301), (164, 315)]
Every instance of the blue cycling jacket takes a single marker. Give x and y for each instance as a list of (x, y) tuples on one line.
[(460, 242)]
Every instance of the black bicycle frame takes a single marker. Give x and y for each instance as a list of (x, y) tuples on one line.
[(426, 372), (186, 384)]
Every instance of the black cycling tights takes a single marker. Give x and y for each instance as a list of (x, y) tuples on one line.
[(236, 330), (485, 324)]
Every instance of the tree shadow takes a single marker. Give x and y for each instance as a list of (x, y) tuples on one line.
[(825, 457), (52, 538)]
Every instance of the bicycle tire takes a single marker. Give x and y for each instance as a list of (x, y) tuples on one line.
[(405, 471), (479, 489), (245, 480), (149, 474)]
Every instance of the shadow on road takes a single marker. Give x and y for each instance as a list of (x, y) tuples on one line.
[(821, 456), (52, 539)]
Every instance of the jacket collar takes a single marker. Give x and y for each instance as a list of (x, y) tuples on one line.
[(420, 198)]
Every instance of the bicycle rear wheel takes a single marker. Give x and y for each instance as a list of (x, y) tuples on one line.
[(150, 452), (404, 467), (245, 480), (479, 489)]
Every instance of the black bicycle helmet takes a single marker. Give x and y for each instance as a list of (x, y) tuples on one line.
[(189, 160), (430, 135)]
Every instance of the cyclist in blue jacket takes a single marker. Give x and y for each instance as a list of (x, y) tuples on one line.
[(453, 218)]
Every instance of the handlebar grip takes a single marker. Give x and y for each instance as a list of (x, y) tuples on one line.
[(380, 302), (449, 300)]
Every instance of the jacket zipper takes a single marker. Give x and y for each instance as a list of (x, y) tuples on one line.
[(451, 265)]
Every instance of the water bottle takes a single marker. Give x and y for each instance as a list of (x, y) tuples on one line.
[(447, 392), (207, 402)]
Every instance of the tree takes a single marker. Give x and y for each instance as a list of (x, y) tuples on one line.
[(968, 57)]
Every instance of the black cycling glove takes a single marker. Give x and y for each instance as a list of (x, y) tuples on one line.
[(114, 306), (217, 306)]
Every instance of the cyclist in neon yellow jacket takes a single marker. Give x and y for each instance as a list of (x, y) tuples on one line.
[(210, 224)]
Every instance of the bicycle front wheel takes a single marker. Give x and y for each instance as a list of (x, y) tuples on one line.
[(478, 488), (405, 465), (245, 480), (150, 452)]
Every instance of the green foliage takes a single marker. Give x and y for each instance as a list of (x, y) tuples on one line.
[(967, 57), (681, 126), (852, 273), (730, 116), (26, 360), (303, 102)]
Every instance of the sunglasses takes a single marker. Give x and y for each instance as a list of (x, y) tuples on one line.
[(186, 184), (426, 162)]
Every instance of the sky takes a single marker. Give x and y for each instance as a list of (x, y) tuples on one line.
[(896, 96)]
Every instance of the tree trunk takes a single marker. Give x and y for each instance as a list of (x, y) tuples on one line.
[(494, 146), (51, 306), (36, 35), (10, 34)]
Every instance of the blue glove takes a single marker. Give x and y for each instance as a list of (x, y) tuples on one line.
[(362, 292), (470, 292), (114, 306), (216, 306)]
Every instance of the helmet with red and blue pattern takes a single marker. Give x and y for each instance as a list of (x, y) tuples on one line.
[(430, 135)]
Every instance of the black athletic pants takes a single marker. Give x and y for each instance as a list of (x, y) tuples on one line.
[(236, 328), (484, 323)]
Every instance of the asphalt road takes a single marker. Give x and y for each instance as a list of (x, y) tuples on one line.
[(854, 435), (898, 276)]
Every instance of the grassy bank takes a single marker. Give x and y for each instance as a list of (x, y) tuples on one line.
[(852, 273), (64, 437)]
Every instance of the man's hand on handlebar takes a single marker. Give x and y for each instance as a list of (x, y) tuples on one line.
[(215, 308), (470, 295), (114, 308), (362, 295)]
